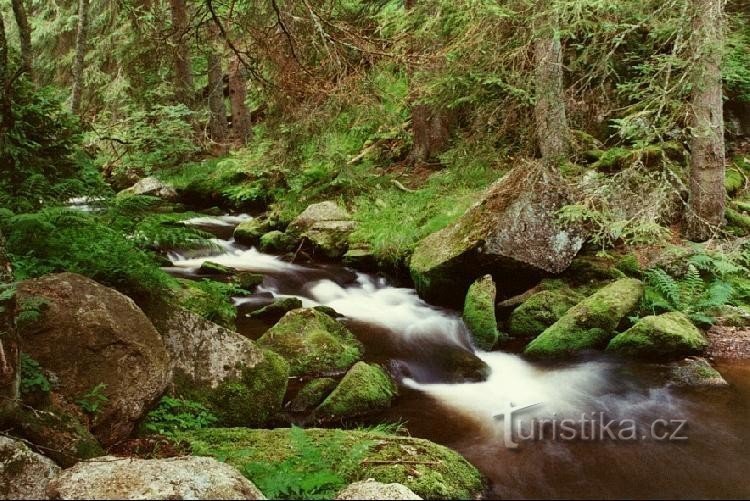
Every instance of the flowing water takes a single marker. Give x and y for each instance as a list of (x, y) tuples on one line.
[(523, 457)]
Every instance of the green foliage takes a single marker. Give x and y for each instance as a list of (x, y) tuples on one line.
[(32, 376), (316, 470), (212, 300), (29, 310), (177, 415), (93, 400)]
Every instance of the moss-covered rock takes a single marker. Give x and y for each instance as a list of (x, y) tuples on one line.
[(326, 226), (361, 259), (657, 336), (271, 313), (249, 232), (211, 268), (696, 372), (365, 388), (588, 269), (479, 313), (541, 310), (312, 394), (312, 343), (629, 265), (430, 470), (590, 323), (277, 242), (248, 280)]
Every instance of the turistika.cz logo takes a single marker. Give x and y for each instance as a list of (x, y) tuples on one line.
[(591, 427)]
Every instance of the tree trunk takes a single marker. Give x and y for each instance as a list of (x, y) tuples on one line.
[(707, 191), (80, 56), (6, 106), (9, 351), (237, 96), (24, 33), (549, 108), (183, 72), (217, 126)]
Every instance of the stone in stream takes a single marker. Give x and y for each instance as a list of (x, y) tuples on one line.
[(513, 232), (249, 232), (92, 337), (211, 268), (111, 477), (589, 324), (312, 342), (696, 372), (430, 470), (242, 383), (541, 310), (312, 394), (273, 312), (277, 242), (248, 280), (479, 313), (370, 489), (365, 388), (660, 336), (327, 226), (24, 474), (154, 187)]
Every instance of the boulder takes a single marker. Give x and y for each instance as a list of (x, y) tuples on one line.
[(249, 232), (430, 470), (211, 268), (24, 474), (248, 280), (326, 225), (90, 336), (112, 477), (660, 336), (312, 343), (365, 388), (370, 489), (271, 313), (541, 310), (696, 372), (479, 313), (361, 259), (512, 232), (152, 187), (590, 323), (277, 242), (312, 394), (243, 384)]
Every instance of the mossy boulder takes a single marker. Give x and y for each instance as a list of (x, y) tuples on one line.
[(660, 336), (312, 394), (24, 474), (248, 280), (312, 343), (479, 313), (211, 268), (271, 313), (590, 323), (541, 310), (365, 388), (432, 471), (588, 269), (511, 232), (696, 372), (361, 259), (326, 226), (249, 232), (277, 242)]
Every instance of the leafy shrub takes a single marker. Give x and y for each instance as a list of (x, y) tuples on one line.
[(314, 471), (175, 415), (93, 400), (32, 377)]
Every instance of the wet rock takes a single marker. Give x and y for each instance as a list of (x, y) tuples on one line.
[(211, 268), (243, 384), (273, 312), (312, 343), (660, 336), (328, 311), (249, 232), (541, 310), (277, 242), (248, 280), (728, 342), (111, 477), (365, 388), (92, 336), (152, 187), (456, 365), (430, 470), (361, 259), (511, 232), (696, 372), (479, 313), (312, 394), (24, 474), (326, 225), (590, 323), (370, 489)]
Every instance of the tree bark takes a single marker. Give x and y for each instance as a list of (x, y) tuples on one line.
[(183, 72), (707, 192), (237, 96), (549, 108), (80, 56), (9, 350), (6, 105), (24, 33), (217, 126)]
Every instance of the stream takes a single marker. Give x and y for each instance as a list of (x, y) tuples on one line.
[(669, 442)]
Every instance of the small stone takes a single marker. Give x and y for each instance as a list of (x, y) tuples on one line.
[(370, 489), (24, 474)]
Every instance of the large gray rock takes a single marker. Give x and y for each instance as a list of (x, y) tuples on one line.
[(152, 187), (24, 474), (110, 477), (513, 230), (370, 489), (90, 336), (326, 225)]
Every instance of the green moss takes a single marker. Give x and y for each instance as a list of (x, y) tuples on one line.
[(211, 268), (613, 158), (590, 323), (541, 310), (277, 309), (734, 180), (312, 394), (430, 470), (667, 335), (587, 269), (479, 313), (366, 387), (249, 232), (248, 280), (312, 342), (277, 242), (738, 223)]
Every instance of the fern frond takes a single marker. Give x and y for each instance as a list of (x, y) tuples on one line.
[(667, 286)]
